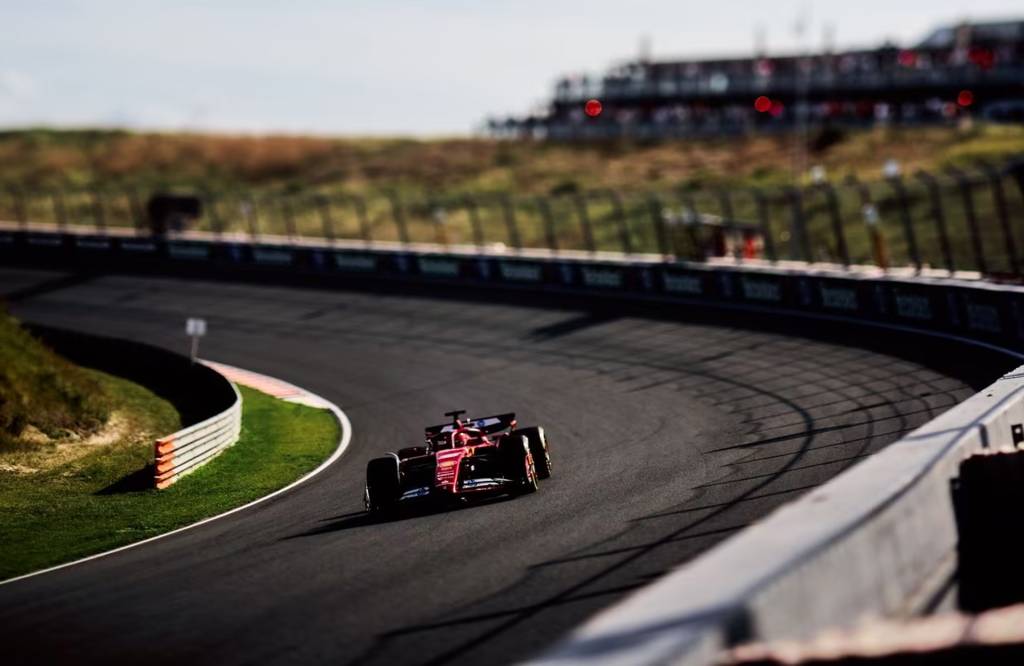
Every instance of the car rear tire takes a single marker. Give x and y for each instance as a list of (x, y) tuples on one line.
[(382, 484), (538, 441), (515, 449)]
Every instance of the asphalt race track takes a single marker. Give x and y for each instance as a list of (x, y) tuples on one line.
[(667, 437)]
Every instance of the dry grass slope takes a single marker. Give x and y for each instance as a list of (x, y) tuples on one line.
[(42, 396), (51, 158)]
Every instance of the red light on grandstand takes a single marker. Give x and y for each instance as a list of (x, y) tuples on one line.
[(965, 98), (981, 57), (592, 108), (762, 104), (907, 58)]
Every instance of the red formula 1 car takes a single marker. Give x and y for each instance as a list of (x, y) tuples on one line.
[(464, 458)]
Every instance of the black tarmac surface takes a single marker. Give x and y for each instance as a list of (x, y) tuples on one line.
[(666, 436)]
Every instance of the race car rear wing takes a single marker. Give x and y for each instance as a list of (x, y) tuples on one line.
[(487, 425)]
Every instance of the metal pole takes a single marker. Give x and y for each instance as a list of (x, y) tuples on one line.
[(725, 204), (364, 219), (999, 196), (873, 222), (656, 211), (619, 213), (20, 209), (439, 215), (549, 224), (693, 227), (766, 231), (285, 207), (399, 216), (896, 182), (728, 219), (98, 213), (580, 203), (939, 217), (216, 221), (474, 222), (59, 211), (832, 201), (972, 219), (510, 221), (252, 216), (323, 204), (138, 215), (800, 240)]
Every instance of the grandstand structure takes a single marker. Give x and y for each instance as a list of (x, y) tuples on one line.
[(970, 68)]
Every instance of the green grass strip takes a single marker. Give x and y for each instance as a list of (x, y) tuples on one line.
[(99, 501)]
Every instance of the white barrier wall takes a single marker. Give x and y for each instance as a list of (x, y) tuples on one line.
[(189, 449), (879, 539)]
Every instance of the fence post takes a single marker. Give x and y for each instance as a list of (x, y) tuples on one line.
[(896, 182), (60, 213), (20, 210), (939, 217), (619, 212), (657, 214), (1016, 169), (766, 230), (474, 222), (285, 206), (510, 221), (323, 204), (209, 207), (972, 219), (252, 215), (725, 203), (549, 224), (800, 240), (873, 222), (399, 217), (999, 196), (138, 212), (580, 203), (439, 215), (98, 212), (692, 224), (832, 201), (364, 219)]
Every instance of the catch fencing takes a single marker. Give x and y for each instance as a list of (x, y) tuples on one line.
[(959, 221)]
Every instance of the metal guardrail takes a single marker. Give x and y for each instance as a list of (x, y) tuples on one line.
[(880, 539), (187, 450)]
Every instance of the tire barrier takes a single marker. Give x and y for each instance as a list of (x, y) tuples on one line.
[(189, 449)]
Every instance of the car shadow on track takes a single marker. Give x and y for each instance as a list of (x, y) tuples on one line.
[(348, 521)]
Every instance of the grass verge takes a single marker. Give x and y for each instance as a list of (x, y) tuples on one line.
[(98, 501)]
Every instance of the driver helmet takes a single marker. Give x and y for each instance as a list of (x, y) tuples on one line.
[(464, 437)]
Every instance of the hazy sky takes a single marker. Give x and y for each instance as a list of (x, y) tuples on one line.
[(380, 66)]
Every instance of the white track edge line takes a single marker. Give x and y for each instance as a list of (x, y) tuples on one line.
[(343, 442)]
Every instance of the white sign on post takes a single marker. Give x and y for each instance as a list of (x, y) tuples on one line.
[(196, 328)]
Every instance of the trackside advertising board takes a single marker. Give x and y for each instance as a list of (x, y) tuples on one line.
[(972, 309)]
